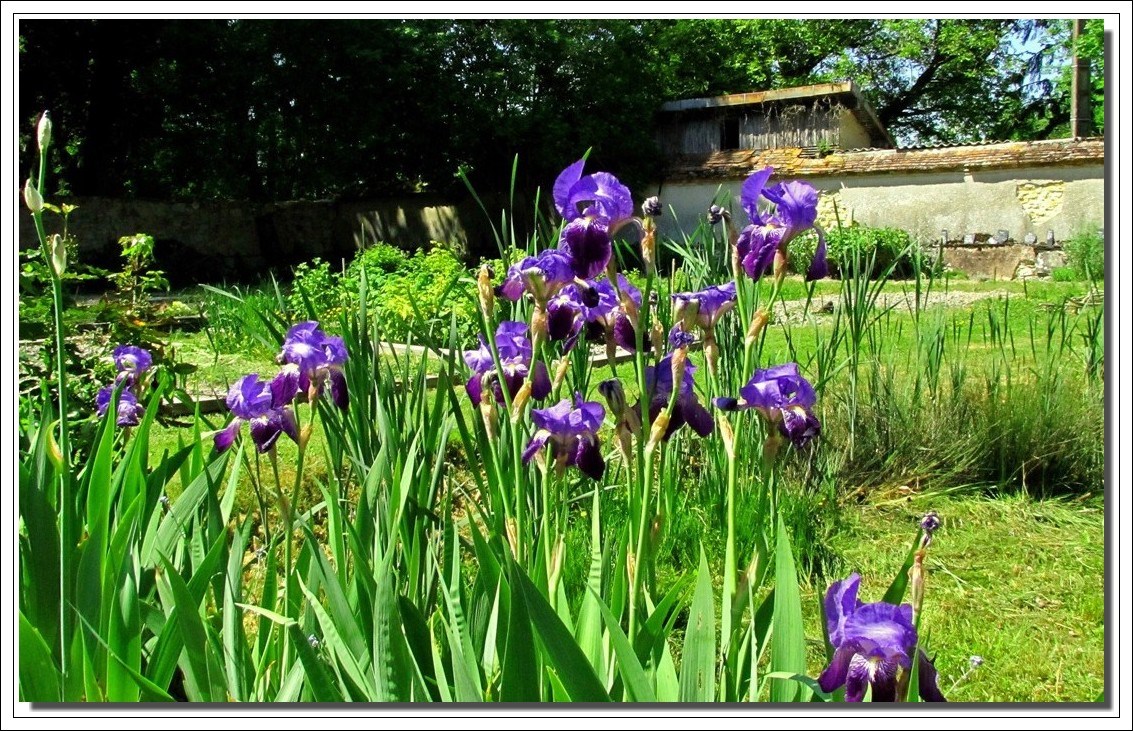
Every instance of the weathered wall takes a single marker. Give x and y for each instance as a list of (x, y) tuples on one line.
[(851, 133), (763, 127), (1013, 261), (1023, 188), (208, 241), (1020, 201)]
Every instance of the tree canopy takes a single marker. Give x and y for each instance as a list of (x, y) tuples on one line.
[(289, 109)]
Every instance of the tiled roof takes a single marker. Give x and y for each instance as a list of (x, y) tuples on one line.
[(807, 162)]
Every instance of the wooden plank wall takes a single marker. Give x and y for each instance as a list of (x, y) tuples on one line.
[(762, 128)]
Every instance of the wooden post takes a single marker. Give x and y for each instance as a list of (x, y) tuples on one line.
[(1080, 117)]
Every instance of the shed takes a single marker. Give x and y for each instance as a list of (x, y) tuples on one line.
[(832, 116)]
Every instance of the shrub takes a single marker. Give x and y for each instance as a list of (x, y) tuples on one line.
[(435, 282), (315, 290), (1085, 254), (886, 245), (377, 260)]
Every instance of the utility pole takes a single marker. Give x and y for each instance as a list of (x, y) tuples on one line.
[(1080, 117)]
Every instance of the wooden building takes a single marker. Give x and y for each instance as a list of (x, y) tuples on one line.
[(823, 117)]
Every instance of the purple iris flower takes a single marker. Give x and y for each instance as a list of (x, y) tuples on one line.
[(680, 338), (131, 362), (872, 642), (572, 434), (586, 237), (515, 352), (608, 318), (543, 276), (310, 357), (796, 208), (784, 398), (251, 400), (132, 358), (129, 411), (712, 303), (687, 409), (566, 314)]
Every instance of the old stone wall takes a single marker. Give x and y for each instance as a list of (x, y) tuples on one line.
[(1021, 202), (1026, 188), (214, 240), (998, 261)]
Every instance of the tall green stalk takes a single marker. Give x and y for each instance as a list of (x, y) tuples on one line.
[(64, 497)]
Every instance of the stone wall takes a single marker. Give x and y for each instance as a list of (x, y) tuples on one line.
[(1025, 188), (1003, 261), (214, 240), (1021, 188)]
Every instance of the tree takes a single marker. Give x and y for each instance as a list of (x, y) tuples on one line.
[(284, 109)]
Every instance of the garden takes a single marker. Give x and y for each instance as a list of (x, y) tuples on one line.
[(764, 462), (642, 362)]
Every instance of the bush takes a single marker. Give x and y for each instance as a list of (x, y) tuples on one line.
[(377, 260), (315, 290), (1085, 254), (887, 245), (397, 283)]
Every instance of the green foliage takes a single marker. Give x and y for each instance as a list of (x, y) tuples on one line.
[(235, 318), (1085, 255), (377, 259), (129, 309), (432, 283), (890, 249), (145, 108), (315, 291), (1064, 274)]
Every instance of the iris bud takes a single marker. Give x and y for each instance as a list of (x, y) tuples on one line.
[(32, 197), (43, 132)]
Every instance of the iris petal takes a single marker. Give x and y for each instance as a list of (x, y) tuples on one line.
[(927, 680), (338, 392), (750, 192), (588, 458), (834, 676), (819, 268), (540, 382), (841, 601), (537, 442), (563, 184), (587, 242), (265, 431), (224, 438)]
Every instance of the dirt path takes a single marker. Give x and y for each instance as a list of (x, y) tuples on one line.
[(798, 312)]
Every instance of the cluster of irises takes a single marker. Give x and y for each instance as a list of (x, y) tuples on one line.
[(578, 295), (310, 359)]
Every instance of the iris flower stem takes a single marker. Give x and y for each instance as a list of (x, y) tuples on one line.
[(517, 469), (730, 547), (544, 532), (644, 453), (285, 513), (64, 497)]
